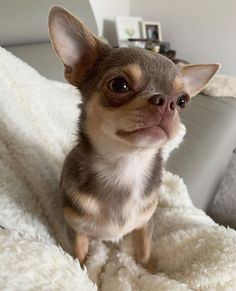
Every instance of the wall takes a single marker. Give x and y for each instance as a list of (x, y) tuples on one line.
[(107, 9), (200, 31)]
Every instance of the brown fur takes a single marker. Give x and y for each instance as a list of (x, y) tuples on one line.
[(79, 180)]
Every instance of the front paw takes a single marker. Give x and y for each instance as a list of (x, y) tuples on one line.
[(151, 265)]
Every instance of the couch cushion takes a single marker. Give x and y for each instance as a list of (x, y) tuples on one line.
[(203, 156), (42, 57), (23, 22)]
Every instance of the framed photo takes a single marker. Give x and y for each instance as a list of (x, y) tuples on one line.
[(127, 28), (152, 30)]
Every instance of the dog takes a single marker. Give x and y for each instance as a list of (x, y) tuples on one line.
[(131, 104)]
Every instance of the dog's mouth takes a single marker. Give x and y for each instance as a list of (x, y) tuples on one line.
[(154, 132)]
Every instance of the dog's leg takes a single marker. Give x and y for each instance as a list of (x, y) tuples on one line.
[(142, 238), (79, 244)]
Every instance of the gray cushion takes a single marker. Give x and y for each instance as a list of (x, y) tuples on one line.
[(202, 158), (223, 206), (26, 21), (42, 57)]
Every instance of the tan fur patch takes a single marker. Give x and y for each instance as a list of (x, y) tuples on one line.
[(89, 204), (142, 244), (95, 113), (70, 215), (134, 70), (101, 124), (178, 84), (81, 246)]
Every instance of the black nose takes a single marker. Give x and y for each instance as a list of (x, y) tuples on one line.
[(157, 99)]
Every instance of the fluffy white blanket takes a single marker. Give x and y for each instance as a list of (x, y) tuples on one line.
[(221, 86), (37, 126)]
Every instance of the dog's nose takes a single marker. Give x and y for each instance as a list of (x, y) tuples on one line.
[(157, 100), (162, 102)]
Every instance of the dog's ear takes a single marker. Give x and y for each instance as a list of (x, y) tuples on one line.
[(195, 77), (77, 47)]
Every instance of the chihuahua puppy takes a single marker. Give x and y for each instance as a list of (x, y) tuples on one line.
[(131, 101)]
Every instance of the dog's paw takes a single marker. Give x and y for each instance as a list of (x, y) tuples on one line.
[(151, 265)]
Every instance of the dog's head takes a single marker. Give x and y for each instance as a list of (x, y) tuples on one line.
[(131, 97)]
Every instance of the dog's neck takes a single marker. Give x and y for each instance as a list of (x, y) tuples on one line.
[(123, 166), (113, 152)]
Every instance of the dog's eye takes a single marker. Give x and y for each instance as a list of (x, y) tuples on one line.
[(182, 100), (119, 85)]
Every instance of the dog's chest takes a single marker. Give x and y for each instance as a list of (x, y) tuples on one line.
[(128, 174), (126, 204)]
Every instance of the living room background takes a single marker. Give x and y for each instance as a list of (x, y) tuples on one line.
[(200, 31)]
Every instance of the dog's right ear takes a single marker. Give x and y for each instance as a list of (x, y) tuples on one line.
[(77, 47)]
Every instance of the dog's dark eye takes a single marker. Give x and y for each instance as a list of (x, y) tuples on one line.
[(182, 100), (119, 85)]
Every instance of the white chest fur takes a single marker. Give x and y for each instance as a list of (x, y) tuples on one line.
[(129, 172)]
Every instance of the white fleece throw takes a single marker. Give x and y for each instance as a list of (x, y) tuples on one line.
[(220, 86), (37, 129)]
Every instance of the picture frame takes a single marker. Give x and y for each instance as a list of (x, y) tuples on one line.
[(152, 30), (127, 28)]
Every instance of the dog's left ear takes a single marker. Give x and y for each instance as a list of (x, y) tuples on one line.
[(77, 47), (195, 77)]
